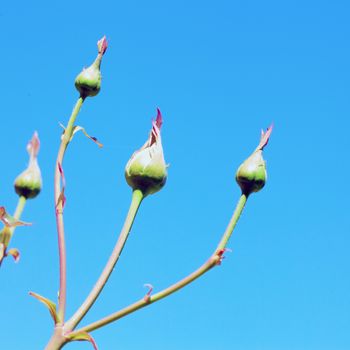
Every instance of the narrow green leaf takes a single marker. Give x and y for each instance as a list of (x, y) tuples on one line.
[(49, 304)]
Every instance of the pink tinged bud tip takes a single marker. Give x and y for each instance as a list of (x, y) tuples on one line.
[(156, 126), (34, 145), (265, 136), (159, 119), (102, 45)]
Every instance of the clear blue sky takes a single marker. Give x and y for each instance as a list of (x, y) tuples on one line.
[(219, 71)]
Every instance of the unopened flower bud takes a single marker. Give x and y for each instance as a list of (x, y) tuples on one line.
[(88, 82), (28, 184), (146, 169), (251, 175)]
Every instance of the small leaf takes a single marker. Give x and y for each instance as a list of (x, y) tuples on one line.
[(264, 139), (10, 221), (94, 139), (34, 145), (49, 304), (102, 45), (82, 336), (80, 128), (14, 253)]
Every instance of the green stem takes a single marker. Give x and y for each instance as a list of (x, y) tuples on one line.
[(7, 232), (214, 260), (19, 209), (136, 200), (59, 209), (230, 227)]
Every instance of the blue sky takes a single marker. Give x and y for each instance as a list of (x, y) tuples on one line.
[(219, 71)]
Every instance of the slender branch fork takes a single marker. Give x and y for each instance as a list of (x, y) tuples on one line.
[(66, 331), (59, 203), (213, 261)]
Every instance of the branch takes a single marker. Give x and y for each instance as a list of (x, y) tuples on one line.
[(213, 261)]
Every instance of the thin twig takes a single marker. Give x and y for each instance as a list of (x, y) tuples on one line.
[(214, 260), (137, 197), (59, 209)]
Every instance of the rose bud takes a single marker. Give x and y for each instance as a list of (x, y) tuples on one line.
[(146, 170), (251, 175), (28, 184), (88, 82)]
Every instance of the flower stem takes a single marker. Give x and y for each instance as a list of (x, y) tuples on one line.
[(136, 200), (234, 219), (214, 260), (19, 209), (7, 232), (59, 208)]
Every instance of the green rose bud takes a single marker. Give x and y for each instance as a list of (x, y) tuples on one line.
[(146, 170), (88, 82), (251, 175), (28, 184)]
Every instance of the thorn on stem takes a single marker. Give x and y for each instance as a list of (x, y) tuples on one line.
[(147, 297), (221, 256)]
